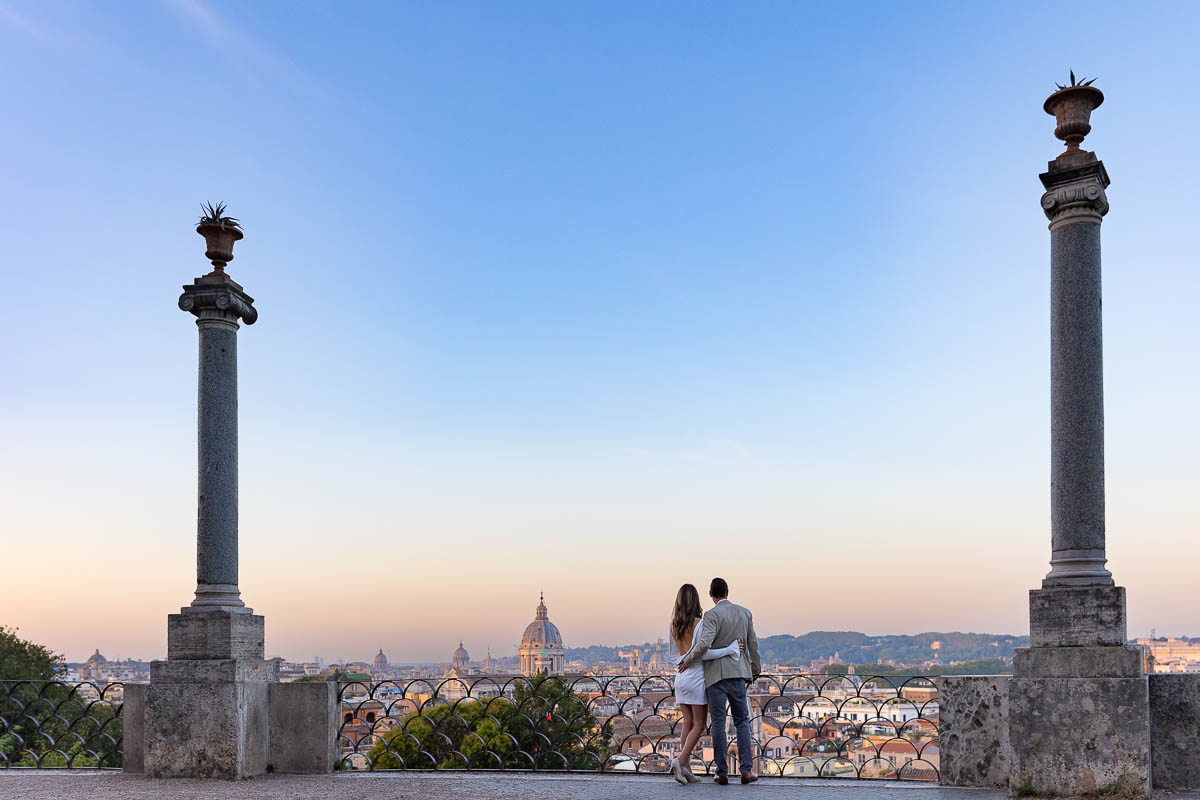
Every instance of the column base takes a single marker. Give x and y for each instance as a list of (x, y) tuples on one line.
[(1125, 661), (214, 634), (217, 597), (1078, 568), (208, 718), (1077, 616)]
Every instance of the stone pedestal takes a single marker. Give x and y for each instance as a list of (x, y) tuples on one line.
[(193, 635), (1079, 736), (1077, 616), (207, 705), (1079, 702)]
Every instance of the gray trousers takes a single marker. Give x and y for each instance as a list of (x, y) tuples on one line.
[(733, 692)]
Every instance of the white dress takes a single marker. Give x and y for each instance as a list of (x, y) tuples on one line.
[(689, 684)]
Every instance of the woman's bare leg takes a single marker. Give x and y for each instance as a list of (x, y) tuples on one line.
[(696, 715), (685, 730)]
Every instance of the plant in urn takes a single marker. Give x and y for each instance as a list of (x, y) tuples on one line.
[(219, 232), (1072, 108)]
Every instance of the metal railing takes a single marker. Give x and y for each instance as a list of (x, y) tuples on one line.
[(828, 726), (56, 724)]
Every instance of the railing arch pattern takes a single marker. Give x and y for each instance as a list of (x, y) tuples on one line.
[(57, 724), (802, 725)]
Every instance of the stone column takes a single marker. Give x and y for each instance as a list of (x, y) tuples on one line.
[(1078, 699), (206, 711), (218, 303), (1075, 204)]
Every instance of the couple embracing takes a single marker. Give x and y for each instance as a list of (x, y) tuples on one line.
[(717, 657)]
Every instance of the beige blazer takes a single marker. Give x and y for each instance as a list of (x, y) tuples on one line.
[(724, 624)]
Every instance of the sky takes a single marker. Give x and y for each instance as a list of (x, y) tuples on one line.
[(590, 299)]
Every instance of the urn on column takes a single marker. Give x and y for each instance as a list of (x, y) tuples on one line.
[(219, 232), (1072, 107)]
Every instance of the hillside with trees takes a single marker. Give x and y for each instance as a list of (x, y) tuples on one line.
[(854, 647)]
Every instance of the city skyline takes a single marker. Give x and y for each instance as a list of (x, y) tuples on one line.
[(555, 300)]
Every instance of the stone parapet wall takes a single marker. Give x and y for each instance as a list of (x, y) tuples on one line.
[(1175, 731), (973, 730), (303, 727), (974, 725)]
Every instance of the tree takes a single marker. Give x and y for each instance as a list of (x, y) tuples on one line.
[(49, 723), (336, 675), (543, 725), (23, 659)]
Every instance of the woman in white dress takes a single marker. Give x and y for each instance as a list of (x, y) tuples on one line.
[(690, 694)]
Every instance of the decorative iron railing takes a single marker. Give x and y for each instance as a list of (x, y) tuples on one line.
[(828, 726), (59, 724)]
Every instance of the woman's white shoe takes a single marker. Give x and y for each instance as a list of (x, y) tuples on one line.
[(677, 771), (687, 773)]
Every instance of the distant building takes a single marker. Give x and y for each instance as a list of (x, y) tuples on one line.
[(290, 670), (381, 663), (659, 663), (461, 658), (541, 651), (93, 668), (1170, 655)]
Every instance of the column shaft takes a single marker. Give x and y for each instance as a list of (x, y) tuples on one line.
[(217, 450), (1077, 405), (218, 304), (1076, 204)]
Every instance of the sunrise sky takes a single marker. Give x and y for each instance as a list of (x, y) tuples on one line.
[(590, 299)]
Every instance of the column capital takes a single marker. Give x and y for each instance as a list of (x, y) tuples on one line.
[(1075, 191), (218, 298)]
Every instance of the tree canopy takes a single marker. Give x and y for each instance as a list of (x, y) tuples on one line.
[(24, 659), (44, 722), (542, 725)]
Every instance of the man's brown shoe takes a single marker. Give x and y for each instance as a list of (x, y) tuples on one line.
[(721, 780), (748, 778)]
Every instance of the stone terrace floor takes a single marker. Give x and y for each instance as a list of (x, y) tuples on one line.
[(96, 785)]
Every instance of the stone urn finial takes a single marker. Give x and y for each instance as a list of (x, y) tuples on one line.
[(1072, 108), (219, 232)]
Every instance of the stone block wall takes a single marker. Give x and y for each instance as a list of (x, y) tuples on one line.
[(973, 730), (304, 727), (133, 728), (299, 735), (1175, 731)]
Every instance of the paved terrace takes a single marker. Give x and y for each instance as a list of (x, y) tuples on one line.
[(98, 785), (111, 785)]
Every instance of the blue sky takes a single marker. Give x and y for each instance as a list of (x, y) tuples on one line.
[(584, 298)]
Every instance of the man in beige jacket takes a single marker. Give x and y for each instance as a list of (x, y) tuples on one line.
[(727, 677)]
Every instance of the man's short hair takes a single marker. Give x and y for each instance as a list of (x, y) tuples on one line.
[(718, 588)]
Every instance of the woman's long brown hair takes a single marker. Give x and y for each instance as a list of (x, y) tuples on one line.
[(687, 611)]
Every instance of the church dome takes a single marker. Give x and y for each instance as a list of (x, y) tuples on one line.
[(96, 658), (381, 661), (541, 632), (461, 657)]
